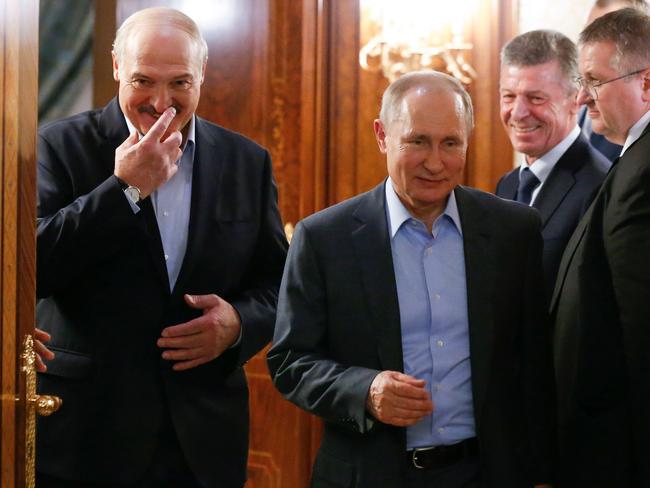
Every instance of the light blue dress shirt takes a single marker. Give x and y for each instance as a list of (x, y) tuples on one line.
[(171, 203), (432, 295)]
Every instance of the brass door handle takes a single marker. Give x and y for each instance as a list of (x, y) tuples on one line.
[(46, 405), (43, 405)]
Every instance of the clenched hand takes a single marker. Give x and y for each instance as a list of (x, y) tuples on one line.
[(398, 399)]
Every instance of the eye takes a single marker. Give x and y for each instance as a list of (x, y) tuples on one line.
[(537, 100), (140, 83), (507, 97), (182, 84)]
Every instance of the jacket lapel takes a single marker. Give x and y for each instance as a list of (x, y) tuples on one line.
[(372, 246), (479, 272), (206, 184), (113, 126)]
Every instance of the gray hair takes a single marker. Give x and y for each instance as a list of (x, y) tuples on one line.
[(628, 30), (542, 46), (397, 90), (161, 16)]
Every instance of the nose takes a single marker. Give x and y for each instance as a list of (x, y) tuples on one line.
[(519, 108), (433, 160), (161, 98), (583, 97)]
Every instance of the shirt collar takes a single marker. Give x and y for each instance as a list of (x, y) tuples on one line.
[(191, 133), (398, 213), (635, 131), (543, 166)]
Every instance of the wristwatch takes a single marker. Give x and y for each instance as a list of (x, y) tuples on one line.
[(133, 192)]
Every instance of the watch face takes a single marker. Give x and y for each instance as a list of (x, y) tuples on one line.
[(133, 193)]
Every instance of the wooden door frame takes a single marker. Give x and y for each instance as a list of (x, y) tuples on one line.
[(18, 125)]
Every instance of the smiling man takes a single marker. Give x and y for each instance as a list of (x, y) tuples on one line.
[(601, 302), (160, 250), (409, 322), (561, 172)]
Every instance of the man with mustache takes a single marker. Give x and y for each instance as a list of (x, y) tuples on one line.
[(561, 172), (160, 250)]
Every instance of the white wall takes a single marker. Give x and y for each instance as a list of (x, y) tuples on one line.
[(566, 16)]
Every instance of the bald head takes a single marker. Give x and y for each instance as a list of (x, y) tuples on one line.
[(434, 81), (602, 7), (159, 19)]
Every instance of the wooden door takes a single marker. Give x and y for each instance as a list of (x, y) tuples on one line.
[(18, 108)]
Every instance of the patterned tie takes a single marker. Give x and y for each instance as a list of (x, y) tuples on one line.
[(527, 183)]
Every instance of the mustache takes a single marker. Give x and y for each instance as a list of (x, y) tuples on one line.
[(149, 109)]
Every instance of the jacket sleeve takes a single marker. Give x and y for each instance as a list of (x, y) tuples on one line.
[(257, 304), (299, 362), (537, 381), (75, 229), (626, 235)]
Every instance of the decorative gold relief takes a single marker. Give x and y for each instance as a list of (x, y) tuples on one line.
[(34, 405), (288, 231)]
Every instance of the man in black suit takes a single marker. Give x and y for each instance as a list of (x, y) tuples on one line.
[(561, 172), (601, 7), (160, 251), (601, 302), (412, 325)]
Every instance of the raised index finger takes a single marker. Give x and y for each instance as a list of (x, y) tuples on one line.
[(160, 127)]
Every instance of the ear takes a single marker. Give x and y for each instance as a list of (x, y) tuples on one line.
[(380, 135), (203, 68), (116, 69), (645, 78)]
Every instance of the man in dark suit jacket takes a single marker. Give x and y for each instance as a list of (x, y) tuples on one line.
[(410, 323), (158, 272), (561, 173), (601, 302)]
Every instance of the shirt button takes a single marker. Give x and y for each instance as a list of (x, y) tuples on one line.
[(436, 296), (166, 257), (440, 343), (428, 251), (166, 213), (441, 429)]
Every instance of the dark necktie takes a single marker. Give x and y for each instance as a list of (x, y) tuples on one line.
[(527, 183)]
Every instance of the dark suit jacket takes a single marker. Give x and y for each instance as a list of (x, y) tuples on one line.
[(104, 296), (562, 200), (601, 306), (608, 149), (338, 326)]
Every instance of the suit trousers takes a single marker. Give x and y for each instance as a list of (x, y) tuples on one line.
[(463, 474)]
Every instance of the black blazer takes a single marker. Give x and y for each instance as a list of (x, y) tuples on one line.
[(563, 199), (601, 307), (338, 326), (104, 296)]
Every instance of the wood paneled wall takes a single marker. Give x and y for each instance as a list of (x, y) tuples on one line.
[(18, 112), (286, 73)]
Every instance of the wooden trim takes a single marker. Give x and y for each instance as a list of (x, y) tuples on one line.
[(313, 106), (19, 80), (104, 87)]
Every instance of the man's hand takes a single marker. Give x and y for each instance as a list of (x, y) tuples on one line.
[(42, 352), (150, 162), (203, 339), (398, 399)]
